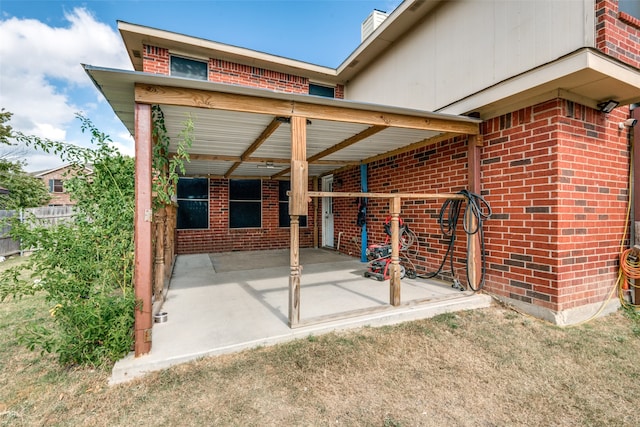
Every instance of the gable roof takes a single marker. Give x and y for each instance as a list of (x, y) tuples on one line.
[(586, 75), (403, 18), (41, 173)]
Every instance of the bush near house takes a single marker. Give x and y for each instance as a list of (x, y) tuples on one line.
[(84, 266)]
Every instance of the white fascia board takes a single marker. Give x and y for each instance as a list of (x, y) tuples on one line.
[(541, 77)]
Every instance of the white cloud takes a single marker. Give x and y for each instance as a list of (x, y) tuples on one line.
[(124, 143), (41, 79)]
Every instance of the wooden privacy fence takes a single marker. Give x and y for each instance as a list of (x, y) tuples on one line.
[(45, 215)]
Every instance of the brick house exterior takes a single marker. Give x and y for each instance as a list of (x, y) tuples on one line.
[(554, 168), (54, 180)]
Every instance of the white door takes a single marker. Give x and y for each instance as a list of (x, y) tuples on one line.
[(327, 213)]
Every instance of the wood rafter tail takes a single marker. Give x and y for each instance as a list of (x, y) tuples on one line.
[(347, 142), (416, 145), (266, 133)]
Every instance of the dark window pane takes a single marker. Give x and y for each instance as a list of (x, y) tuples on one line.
[(318, 90), (183, 67), (245, 189), (284, 220), (193, 188), (283, 187), (55, 186), (283, 214), (245, 214), (283, 206), (193, 214)]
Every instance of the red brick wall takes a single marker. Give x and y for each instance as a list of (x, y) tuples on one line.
[(617, 33), (441, 168), (61, 199), (220, 238), (556, 177), (156, 60)]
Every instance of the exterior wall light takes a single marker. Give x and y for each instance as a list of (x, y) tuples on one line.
[(608, 106)]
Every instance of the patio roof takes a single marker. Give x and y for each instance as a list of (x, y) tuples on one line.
[(245, 132)]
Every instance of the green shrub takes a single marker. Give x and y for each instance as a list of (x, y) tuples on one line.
[(85, 265)]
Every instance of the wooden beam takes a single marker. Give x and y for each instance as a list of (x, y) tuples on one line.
[(474, 164), (266, 133), (347, 142), (299, 170), (426, 196), (410, 147), (473, 240), (433, 122), (142, 231), (274, 160), (165, 95), (341, 145)]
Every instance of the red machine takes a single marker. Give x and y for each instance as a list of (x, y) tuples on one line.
[(379, 255)]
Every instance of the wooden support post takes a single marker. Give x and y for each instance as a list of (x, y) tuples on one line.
[(473, 241), (316, 238), (634, 139), (159, 217), (295, 270), (394, 283), (170, 238), (298, 205), (142, 232)]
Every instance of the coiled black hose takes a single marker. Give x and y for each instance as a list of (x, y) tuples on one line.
[(448, 221)]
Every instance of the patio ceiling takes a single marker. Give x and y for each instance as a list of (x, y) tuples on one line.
[(245, 133)]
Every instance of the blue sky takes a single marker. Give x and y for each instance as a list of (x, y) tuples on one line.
[(43, 43)]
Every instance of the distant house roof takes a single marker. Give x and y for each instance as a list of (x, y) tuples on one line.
[(40, 174)]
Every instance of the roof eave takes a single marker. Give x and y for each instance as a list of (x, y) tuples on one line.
[(136, 36)]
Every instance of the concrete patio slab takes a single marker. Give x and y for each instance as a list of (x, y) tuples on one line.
[(230, 302)]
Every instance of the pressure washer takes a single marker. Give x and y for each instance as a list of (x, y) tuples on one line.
[(379, 255)]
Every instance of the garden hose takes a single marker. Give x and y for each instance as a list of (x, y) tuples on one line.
[(477, 207)]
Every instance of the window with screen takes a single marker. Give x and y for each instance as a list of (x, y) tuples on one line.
[(189, 68), (245, 203), (319, 90), (283, 206), (193, 203), (55, 186)]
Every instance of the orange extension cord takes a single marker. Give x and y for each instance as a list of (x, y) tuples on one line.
[(630, 266)]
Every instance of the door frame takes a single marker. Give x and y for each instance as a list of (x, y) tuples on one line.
[(327, 217)]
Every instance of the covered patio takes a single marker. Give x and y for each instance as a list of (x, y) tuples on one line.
[(249, 133), (227, 302)]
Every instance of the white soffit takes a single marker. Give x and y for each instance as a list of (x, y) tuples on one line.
[(585, 76)]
